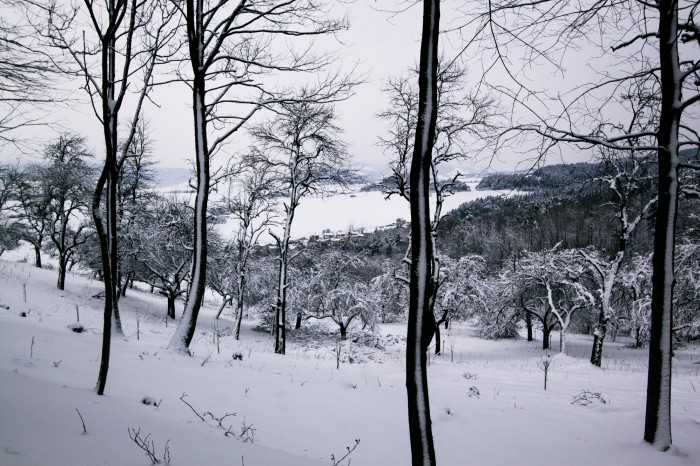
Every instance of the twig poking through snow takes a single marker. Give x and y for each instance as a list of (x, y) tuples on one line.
[(81, 420), (219, 420), (149, 447), (350, 450)]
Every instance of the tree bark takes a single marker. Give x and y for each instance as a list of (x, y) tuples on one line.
[(61, 282), (37, 257), (421, 321), (171, 305), (546, 332), (599, 331), (182, 337), (528, 325), (657, 424)]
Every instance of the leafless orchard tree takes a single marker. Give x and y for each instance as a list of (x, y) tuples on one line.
[(301, 151), (462, 117), (627, 176), (162, 247), (114, 47), (232, 47), (649, 45), (328, 290), (249, 201)]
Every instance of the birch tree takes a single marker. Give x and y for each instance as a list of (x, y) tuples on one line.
[(231, 48)]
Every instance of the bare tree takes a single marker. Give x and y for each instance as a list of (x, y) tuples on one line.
[(301, 150), (163, 248), (421, 321), (67, 178), (461, 116), (33, 207), (628, 179), (114, 47), (53, 200), (249, 201), (641, 44), (231, 47), (331, 290)]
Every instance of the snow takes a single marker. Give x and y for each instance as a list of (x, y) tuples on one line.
[(340, 212), (301, 407)]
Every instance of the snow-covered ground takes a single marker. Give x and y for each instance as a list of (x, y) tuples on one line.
[(302, 408)]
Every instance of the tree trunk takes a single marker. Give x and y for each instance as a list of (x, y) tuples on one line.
[(343, 332), (638, 338), (239, 314), (182, 337), (528, 325), (225, 301), (421, 321), (562, 341), (599, 331), (37, 257), (546, 332), (297, 325), (438, 342), (171, 305), (657, 424), (61, 282)]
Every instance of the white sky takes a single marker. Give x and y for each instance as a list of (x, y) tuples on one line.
[(383, 44)]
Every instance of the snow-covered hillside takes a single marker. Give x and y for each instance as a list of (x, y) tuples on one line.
[(299, 409)]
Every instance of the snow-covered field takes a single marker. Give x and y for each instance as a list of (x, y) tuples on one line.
[(342, 211), (302, 408)]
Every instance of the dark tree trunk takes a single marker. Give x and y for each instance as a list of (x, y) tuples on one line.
[(528, 325), (61, 282), (225, 301), (657, 424), (297, 325), (171, 305), (343, 332), (37, 257), (421, 321), (546, 332), (438, 342), (638, 338)]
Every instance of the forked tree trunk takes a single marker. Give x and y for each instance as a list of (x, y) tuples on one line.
[(421, 321), (546, 333), (657, 424)]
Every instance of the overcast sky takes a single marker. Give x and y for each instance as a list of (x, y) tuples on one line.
[(383, 44)]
